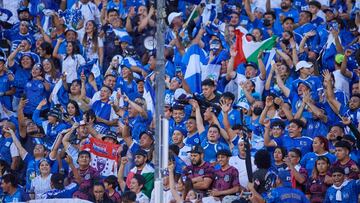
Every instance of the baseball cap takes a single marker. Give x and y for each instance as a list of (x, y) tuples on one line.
[(55, 112), (148, 133), (332, 10), (305, 83), (243, 105), (196, 149), (303, 64), (339, 58), (110, 134), (173, 15), (141, 152)]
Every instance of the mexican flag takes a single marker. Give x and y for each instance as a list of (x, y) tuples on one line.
[(148, 172), (248, 50)]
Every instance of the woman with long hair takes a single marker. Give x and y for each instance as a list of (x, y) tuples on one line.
[(92, 43), (71, 61), (183, 191), (316, 186), (320, 148), (72, 113), (41, 183), (36, 89), (279, 155), (51, 74)]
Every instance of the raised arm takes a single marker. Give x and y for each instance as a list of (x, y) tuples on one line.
[(269, 78), (261, 66), (21, 149), (36, 116), (269, 101), (199, 120), (268, 142), (334, 104), (175, 194), (70, 162), (146, 20), (280, 82), (343, 69), (11, 58), (56, 49), (230, 73), (121, 181), (134, 105), (21, 117), (248, 11)]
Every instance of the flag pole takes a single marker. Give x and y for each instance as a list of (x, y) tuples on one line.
[(159, 91)]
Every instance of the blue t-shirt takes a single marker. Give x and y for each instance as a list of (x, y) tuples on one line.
[(67, 192), (192, 140), (349, 192), (304, 144), (286, 195), (5, 85), (35, 90), (211, 149), (309, 159)]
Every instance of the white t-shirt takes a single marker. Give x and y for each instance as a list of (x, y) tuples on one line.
[(167, 196), (70, 66), (240, 165), (41, 185), (142, 198), (342, 82), (14, 150), (183, 155)]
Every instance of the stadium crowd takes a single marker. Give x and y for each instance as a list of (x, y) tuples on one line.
[(262, 98)]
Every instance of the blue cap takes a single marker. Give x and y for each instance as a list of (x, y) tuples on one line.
[(181, 130), (126, 38)]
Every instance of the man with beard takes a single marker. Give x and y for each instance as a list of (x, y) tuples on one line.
[(141, 168), (226, 179), (200, 172), (286, 10)]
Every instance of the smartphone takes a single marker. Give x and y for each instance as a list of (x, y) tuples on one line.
[(246, 195), (335, 26)]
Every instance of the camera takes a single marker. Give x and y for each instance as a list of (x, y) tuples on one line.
[(183, 98)]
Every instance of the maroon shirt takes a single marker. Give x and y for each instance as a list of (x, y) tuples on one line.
[(224, 180), (347, 168), (88, 176), (317, 189), (116, 198), (205, 170)]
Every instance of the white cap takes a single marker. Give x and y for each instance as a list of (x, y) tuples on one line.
[(303, 64), (243, 105), (172, 16)]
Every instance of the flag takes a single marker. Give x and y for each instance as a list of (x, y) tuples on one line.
[(54, 94), (209, 14), (149, 96), (248, 50), (148, 173), (268, 57), (104, 155), (329, 53), (212, 70), (194, 60)]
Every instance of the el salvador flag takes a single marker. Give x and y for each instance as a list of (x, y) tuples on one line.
[(194, 60), (329, 52), (212, 70), (149, 96)]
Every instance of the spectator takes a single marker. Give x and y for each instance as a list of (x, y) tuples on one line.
[(99, 195), (9, 186), (341, 187), (316, 186), (226, 182), (200, 172)]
